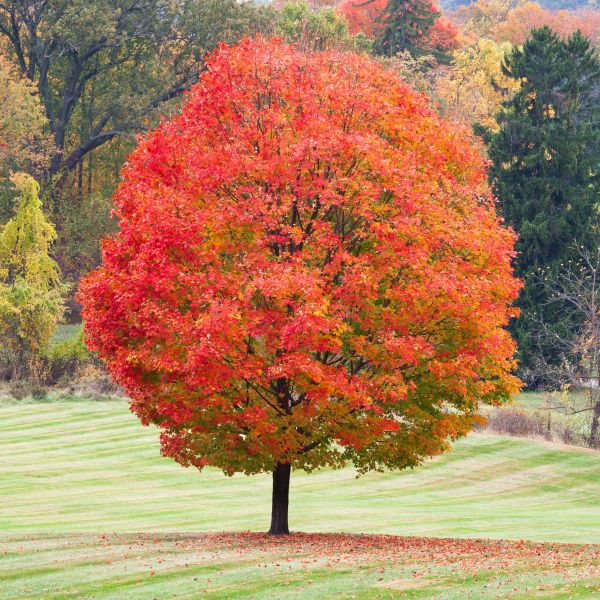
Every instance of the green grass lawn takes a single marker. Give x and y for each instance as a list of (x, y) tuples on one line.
[(65, 332), (72, 472), (538, 400)]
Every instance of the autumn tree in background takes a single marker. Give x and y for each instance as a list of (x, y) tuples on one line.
[(24, 144), (480, 19), (444, 36), (523, 18), (105, 71), (115, 60), (31, 302), (24, 141), (512, 21), (309, 271), (545, 163), (316, 27), (473, 90), (419, 72), (364, 16)]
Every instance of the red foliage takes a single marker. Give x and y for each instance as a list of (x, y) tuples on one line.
[(363, 18), (309, 269), (443, 35)]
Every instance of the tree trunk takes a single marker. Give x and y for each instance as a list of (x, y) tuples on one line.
[(281, 494), (594, 441)]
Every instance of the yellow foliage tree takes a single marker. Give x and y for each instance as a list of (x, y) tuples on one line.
[(480, 19), (30, 288), (24, 140), (471, 91)]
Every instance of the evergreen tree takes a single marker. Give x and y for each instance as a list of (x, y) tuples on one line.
[(406, 26), (30, 288), (545, 168)]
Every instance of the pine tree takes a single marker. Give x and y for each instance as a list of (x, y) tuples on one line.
[(30, 288), (406, 26), (545, 167)]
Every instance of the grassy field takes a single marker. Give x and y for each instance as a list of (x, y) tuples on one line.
[(65, 332), (79, 479), (541, 400)]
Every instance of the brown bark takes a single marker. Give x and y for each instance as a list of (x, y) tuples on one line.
[(281, 493)]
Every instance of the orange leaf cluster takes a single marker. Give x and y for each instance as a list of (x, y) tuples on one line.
[(443, 35)]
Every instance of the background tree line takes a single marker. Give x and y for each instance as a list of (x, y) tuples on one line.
[(82, 78)]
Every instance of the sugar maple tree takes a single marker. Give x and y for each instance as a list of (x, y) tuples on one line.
[(309, 271)]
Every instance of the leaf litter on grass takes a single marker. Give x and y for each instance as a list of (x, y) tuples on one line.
[(254, 565)]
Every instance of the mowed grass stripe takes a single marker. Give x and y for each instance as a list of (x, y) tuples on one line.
[(93, 444), (91, 466), (65, 425), (58, 411)]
